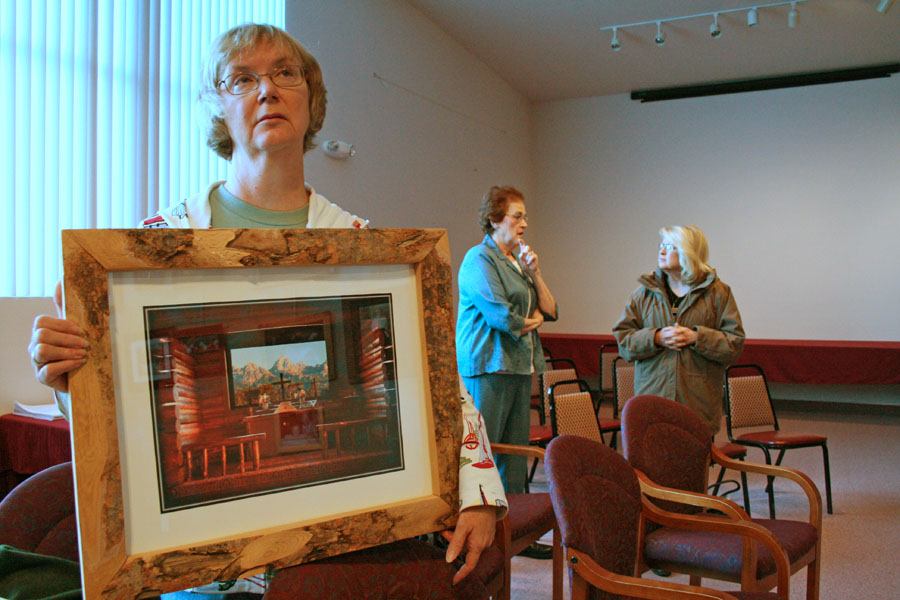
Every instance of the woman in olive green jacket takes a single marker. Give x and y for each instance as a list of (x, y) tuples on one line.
[(682, 327)]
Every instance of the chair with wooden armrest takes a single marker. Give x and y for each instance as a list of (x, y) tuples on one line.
[(404, 569), (672, 447), (38, 515), (530, 517), (603, 514)]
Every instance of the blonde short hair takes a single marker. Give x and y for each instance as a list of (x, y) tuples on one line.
[(693, 251), (234, 43)]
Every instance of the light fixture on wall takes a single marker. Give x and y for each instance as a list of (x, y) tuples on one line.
[(884, 6), (715, 30), (338, 149), (752, 17)]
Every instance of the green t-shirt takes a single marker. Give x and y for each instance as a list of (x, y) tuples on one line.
[(229, 211)]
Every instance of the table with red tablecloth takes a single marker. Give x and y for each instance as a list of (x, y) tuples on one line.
[(29, 445)]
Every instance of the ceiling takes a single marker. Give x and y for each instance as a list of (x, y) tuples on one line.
[(552, 49)]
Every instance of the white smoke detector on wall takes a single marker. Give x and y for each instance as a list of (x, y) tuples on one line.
[(338, 148)]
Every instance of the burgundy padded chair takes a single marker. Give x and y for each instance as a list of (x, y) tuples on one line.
[(671, 448), (530, 517), (749, 404), (602, 513), (38, 515), (404, 569)]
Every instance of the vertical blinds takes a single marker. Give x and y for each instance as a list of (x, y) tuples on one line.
[(97, 118)]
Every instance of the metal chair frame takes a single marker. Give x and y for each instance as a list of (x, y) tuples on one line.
[(766, 447)]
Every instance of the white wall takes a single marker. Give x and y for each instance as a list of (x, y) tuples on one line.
[(425, 156), (17, 382), (797, 190)]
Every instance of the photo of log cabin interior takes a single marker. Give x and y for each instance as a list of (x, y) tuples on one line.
[(255, 397)]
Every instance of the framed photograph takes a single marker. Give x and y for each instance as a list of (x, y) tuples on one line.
[(257, 398)]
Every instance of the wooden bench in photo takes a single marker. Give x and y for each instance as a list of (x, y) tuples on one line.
[(250, 442)]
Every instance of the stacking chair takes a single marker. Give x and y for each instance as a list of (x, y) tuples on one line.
[(623, 389), (671, 447), (558, 369), (573, 413), (608, 353), (602, 516), (749, 404), (530, 517), (537, 403)]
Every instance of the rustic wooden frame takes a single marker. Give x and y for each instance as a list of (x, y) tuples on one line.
[(108, 571)]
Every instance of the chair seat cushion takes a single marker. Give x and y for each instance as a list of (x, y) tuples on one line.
[(529, 512), (778, 438), (540, 433), (733, 450), (722, 552), (404, 569), (609, 424)]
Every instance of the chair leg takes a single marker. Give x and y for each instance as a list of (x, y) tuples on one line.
[(531, 473), (612, 442), (769, 490), (718, 483), (557, 564), (827, 479), (746, 492)]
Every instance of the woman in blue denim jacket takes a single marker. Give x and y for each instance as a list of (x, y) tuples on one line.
[(502, 301)]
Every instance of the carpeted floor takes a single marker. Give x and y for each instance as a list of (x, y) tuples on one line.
[(860, 539)]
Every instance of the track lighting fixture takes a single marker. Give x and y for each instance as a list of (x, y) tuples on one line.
[(884, 6), (715, 31), (752, 17)]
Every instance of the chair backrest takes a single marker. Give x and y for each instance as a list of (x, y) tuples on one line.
[(747, 399), (38, 515), (623, 382), (573, 413), (559, 369), (669, 443), (597, 501), (607, 356)]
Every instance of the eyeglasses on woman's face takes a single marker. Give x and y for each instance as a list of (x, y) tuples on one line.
[(517, 216), (238, 84), (667, 247)]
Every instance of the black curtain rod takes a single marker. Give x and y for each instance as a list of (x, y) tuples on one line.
[(765, 83)]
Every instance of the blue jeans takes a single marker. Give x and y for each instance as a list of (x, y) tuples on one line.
[(504, 401)]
